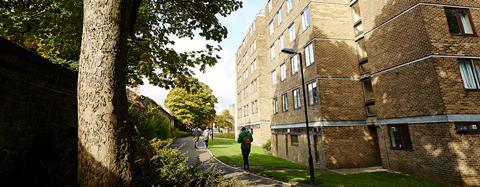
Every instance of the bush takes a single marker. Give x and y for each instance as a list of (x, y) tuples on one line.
[(157, 164), (267, 146), (224, 135), (149, 125)]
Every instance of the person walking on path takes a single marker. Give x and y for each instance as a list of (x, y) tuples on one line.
[(206, 135), (197, 132), (245, 138)]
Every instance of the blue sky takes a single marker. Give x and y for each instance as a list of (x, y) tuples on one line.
[(221, 77)]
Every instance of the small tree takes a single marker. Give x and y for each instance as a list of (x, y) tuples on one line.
[(224, 120), (194, 106)]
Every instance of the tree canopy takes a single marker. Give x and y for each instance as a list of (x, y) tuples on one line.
[(194, 106), (224, 120), (53, 29)]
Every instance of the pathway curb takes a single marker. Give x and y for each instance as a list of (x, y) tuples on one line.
[(250, 173)]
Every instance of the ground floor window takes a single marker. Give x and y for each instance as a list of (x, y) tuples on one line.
[(294, 140), (400, 136)]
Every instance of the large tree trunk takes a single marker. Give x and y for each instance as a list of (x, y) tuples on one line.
[(104, 138)]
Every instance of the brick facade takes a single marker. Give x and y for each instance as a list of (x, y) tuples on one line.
[(377, 63)]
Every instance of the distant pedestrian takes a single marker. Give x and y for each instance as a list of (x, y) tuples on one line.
[(245, 138), (206, 135), (196, 132)]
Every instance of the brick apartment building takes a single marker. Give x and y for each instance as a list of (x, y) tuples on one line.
[(392, 83), (253, 104)]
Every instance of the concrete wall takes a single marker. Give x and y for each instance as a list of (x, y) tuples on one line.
[(38, 119)]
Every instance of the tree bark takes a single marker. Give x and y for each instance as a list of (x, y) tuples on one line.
[(104, 138)]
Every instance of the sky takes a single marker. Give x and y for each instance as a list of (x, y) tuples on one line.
[(221, 77)]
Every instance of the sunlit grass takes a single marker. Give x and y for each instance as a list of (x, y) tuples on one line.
[(228, 151)]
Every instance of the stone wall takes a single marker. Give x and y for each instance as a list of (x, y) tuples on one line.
[(38, 119)]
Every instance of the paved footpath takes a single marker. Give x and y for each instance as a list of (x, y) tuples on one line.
[(203, 157)]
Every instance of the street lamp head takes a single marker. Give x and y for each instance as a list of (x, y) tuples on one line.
[(289, 51)]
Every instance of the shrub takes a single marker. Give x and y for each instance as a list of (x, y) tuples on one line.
[(224, 135), (267, 146), (149, 125), (177, 133), (166, 166)]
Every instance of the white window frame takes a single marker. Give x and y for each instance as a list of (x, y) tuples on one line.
[(275, 104), (470, 70), (271, 28), (283, 72), (309, 55), (279, 17), (272, 52), (281, 42), (274, 77), (269, 5), (284, 102), (312, 88), (294, 60), (291, 32), (290, 5), (306, 21), (297, 102)]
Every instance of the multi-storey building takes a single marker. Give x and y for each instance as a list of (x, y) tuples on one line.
[(253, 108), (389, 83)]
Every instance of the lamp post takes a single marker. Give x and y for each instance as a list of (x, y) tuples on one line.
[(310, 160)]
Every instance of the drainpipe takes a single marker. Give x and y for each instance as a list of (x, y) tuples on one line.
[(385, 145)]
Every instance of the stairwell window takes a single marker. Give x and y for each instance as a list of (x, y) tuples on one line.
[(309, 55), (285, 102), (459, 21), (281, 42), (306, 19), (270, 5), (470, 71), (295, 63), (272, 52), (400, 136)]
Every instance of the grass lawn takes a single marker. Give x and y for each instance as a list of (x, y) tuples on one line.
[(228, 151)]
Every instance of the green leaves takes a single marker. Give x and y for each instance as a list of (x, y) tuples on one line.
[(224, 120), (192, 106), (53, 29)]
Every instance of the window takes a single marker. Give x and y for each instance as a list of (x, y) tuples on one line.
[(254, 45), (294, 140), (309, 56), (306, 19), (362, 49), (253, 65), (281, 42), (295, 62), (399, 136), (291, 31), (358, 27), (312, 93), (356, 12), (368, 89), (459, 21), (270, 5), (283, 72), (274, 77), (296, 99), (271, 28), (284, 102), (275, 105), (470, 72), (468, 128), (279, 17), (272, 52), (289, 5)]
